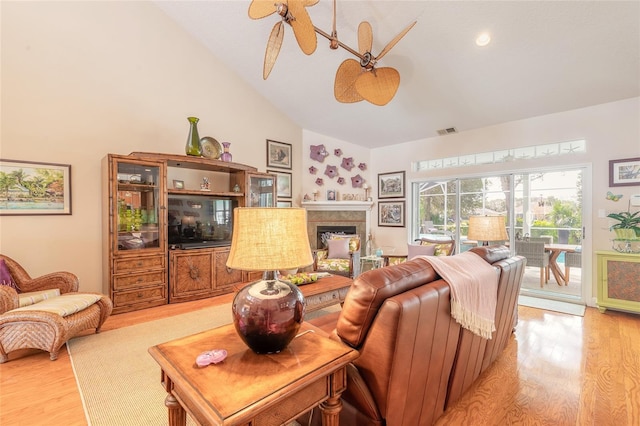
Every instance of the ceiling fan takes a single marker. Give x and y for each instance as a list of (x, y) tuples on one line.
[(293, 12), (355, 80)]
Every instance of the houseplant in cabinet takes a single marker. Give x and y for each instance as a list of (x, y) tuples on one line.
[(135, 261)]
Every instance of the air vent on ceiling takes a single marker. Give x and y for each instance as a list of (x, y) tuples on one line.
[(447, 131)]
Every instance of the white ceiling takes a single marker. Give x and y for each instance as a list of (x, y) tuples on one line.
[(544, 57)]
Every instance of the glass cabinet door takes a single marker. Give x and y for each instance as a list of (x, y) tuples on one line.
[(138, 197), (261, 190)]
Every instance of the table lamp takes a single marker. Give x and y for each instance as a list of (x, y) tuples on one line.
[(267, 313), (487, 228)]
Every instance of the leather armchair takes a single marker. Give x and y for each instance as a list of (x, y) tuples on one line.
[(415, 360)]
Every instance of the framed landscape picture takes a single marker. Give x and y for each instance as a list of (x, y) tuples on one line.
[(283, 183), (278, 154), (29, 188), (391, 213), (624, 172), (391, 185)]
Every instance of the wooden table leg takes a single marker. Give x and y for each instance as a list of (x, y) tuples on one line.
[(177, 415), (330, 410), (555, 268)]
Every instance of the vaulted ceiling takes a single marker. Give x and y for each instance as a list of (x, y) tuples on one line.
[(544, 57)]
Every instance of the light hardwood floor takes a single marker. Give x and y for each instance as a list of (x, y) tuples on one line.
[(558, 369)]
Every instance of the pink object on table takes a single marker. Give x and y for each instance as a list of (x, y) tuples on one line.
[(211, 357)]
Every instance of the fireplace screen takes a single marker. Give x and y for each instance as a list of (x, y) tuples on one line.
[(324, 232)]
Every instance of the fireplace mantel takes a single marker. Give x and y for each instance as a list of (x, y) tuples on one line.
[(338, 205)]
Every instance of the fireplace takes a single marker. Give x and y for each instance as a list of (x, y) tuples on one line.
[(323, 232), (350, 217)]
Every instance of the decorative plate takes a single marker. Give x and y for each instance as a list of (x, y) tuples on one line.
[(210, 148)]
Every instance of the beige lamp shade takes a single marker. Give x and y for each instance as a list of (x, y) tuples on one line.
[(269, 239), (487, 228)]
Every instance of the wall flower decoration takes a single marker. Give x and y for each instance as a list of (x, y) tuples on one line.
[(337, 152), (362, 166), (341, 180), (347, 163), (313, 170), (318, 153), (357, 181), (319, 182), (331, 171)]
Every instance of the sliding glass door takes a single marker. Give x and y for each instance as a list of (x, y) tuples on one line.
[(544, 205)]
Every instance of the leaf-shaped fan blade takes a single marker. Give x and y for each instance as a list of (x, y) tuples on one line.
[(302, 26), (393, 42), (344, 87), (273, 48), (261, 8), (378, 86), (365, 37), (308, 3)]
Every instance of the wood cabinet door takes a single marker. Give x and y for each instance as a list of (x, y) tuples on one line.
[(192, 275), (225, 277)]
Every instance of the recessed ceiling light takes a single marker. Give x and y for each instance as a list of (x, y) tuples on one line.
[(483, 39)]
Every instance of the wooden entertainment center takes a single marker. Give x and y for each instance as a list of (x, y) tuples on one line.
[(141, 267)]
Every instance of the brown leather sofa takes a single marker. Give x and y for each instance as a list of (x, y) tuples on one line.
[(415, 360)]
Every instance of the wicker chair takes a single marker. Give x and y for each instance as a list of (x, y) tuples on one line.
[(571, 260), (43, 330), (536, 256)]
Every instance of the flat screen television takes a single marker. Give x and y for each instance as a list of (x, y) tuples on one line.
[(196, 221)]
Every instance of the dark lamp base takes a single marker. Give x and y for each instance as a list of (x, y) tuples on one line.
[(267, 315)]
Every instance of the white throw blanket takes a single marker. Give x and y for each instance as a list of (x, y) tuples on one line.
[(474, 290)]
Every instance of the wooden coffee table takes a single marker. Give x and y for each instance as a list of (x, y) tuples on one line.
[(251, 389), (327, 291)]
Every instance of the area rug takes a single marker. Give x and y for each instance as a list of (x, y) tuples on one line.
[(119, 382), (552, 305)]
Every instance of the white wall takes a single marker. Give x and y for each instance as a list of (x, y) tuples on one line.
[(83, 79), (612, 131), (358, 154)]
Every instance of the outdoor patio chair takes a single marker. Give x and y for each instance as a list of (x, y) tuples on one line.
[(571, 260), (536, 256)]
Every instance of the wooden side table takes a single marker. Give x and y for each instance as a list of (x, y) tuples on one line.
[(251, 389)]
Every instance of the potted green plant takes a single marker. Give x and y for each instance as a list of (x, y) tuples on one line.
[(628, 225)]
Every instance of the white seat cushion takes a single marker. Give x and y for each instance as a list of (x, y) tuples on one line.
[(64, 305), (29, 298)]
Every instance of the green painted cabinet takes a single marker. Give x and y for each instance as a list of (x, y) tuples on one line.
[(618, 281)]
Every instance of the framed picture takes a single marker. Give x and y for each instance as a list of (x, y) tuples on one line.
[(391, 185), (331, 195), (28, 188), (178, 184), (284, 203), (624, 172), (283, 183), (391, 213), (278, 154)]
